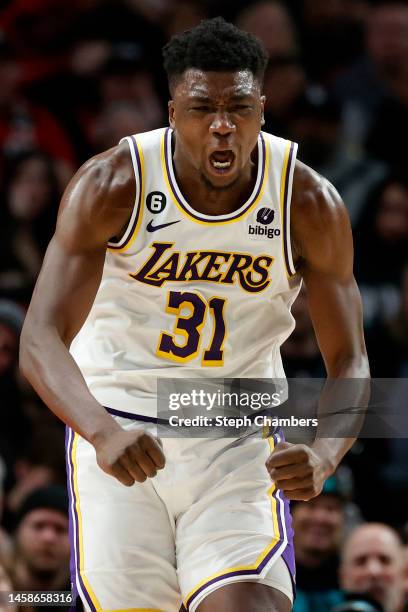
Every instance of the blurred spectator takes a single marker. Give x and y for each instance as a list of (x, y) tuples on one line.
[(41, 559), (369, 81), (11, 323), (270, 21), (39, 464), (381, 247), (128, 102), (391, 120), (5, 541), (389, 48), (316, 125), (358, 603), (31, 195), (125, 78), (137, 21), (300, 353), (154, 11), (387, 341), (117, 120), (5, 585), (24, 125), (331, 36), (40, 31), (284, 84), (15, 427), (284, 80), (372, 563), (185, 15), (318, 526)]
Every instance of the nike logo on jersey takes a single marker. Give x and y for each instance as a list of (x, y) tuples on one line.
[(153, 228)]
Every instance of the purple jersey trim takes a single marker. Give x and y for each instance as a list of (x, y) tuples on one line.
[(136, 417), (119, 244), (286, 204)]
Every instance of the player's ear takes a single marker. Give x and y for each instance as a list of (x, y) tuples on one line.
[(171, 114), (263, 99)]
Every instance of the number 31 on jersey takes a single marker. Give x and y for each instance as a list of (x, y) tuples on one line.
[(190, 326)]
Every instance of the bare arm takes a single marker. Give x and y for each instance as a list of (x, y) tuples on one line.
[(323, 251), (96, 206)]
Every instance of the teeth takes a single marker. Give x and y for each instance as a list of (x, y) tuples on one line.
[(218, 164)]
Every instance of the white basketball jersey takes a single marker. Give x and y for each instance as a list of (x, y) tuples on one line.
[(184, 294)]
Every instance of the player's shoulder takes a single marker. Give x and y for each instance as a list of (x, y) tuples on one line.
[(108, 170), (315, 201), (101, 194), (319, 218), (113, 169)]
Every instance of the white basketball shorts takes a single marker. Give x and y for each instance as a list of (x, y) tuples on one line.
[(212, 516)]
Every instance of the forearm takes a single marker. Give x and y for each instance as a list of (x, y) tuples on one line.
[(342, 408), (47, 364)]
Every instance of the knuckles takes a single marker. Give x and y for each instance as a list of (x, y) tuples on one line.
[(304, 453), (144, 439)]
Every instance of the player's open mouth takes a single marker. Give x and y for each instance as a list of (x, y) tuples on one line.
[(222, 160)]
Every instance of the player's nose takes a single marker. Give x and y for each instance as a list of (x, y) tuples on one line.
[(222, 124)]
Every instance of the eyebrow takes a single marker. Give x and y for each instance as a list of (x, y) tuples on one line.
[(205, 99), (241, 96), (199, 98)]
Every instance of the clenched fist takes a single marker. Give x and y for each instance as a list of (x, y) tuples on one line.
[(298, 470), (130, 456)]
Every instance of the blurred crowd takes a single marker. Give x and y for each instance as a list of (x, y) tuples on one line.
[(78, 75)]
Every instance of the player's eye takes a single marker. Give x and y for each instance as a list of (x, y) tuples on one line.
[(201, 109), (241, 107)]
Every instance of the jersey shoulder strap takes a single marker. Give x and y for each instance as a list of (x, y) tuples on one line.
[(282, 161), (143, 148)]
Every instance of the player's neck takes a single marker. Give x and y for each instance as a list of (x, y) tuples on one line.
[(209, 200)]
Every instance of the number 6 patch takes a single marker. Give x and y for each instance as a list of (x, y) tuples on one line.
[(156, 202)]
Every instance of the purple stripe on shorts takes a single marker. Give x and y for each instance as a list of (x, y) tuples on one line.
[(256, 571), (70, 523), (244, 572), (167, 153), (73, 522), (289, 553)]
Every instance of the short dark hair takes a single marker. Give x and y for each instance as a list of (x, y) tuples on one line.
[(214, 45)]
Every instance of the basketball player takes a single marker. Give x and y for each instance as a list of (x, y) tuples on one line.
[(178, 253)]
